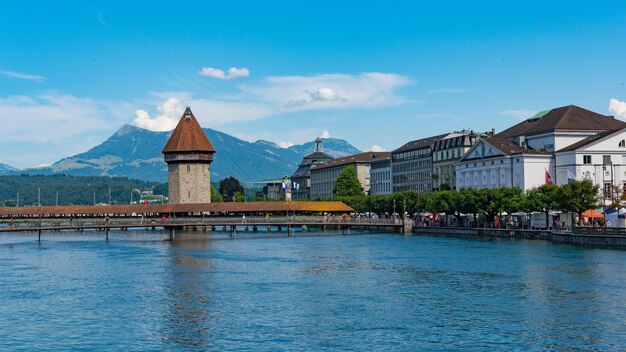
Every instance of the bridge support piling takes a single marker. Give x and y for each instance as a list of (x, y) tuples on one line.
[(254, 228), (39, 238), (288, 231), (172, 234)]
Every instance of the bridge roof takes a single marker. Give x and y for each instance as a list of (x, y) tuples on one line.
[(232, 207)]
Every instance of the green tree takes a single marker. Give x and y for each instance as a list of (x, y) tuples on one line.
[(489, 203), (347, 183), (469, 201), (511, 200), (579, 196), (542, 199), (239, 197), (228, 187), (215, 197)]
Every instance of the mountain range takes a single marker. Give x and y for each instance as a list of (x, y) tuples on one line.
[(7, 169), (136, 153)]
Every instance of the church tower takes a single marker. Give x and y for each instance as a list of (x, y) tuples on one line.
[(188, 154)]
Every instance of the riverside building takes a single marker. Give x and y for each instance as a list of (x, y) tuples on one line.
[(447, 151), (324, 176), (302, 176), (412, 165), (551, 147), (380, 176)]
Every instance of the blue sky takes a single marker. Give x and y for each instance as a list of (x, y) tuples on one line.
[(374, 73)]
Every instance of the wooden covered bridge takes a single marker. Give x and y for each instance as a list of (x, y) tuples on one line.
[(205, 216)]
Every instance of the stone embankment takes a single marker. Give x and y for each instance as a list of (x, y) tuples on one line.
[(606, 237)]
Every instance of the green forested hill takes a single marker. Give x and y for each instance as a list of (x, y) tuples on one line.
[(72, 190)]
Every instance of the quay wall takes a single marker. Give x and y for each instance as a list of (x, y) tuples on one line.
[(580, 236), (495, 233)]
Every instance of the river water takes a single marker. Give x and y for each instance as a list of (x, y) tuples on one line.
[(364, 292)]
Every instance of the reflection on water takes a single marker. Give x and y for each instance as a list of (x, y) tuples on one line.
[(371, 292), (188, 314)]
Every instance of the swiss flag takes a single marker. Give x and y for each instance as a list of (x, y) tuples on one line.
[(548, 179)]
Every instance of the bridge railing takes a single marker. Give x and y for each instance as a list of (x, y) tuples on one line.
[(197, 220), (599, 231)]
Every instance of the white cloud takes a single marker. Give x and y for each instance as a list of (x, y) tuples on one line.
[(325, 134), (48, 127), (520, 114), (170, 112), (376, 148), (273, 96), (24, 76), (232, 72), (328, 91), (618, 108), (284, 144)]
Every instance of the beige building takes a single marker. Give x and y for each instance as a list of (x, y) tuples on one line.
[(324, 176), (447, 151), (188, 154)]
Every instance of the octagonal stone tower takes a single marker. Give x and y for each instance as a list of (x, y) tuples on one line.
[(188, 154)]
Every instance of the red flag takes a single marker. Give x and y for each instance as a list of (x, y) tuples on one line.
[(548, 179)]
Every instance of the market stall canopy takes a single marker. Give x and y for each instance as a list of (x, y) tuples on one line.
[(592, 214)]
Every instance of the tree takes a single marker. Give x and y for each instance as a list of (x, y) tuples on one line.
[(510, 200), (239, 197), (347, 183), (228, 187), (579, 196), (215, 197), (543, 198), (469, 201)]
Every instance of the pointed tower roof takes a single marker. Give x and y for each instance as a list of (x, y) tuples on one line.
[(188, 136)]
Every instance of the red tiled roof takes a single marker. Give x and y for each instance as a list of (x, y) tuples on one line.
[(233, 207), (188, 136)]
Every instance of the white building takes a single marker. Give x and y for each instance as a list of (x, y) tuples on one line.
[(324, 176), (600, 158), (523, 155)]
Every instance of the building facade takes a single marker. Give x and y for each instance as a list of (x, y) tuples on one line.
[(324, 176), (188, 154), (302, 176), (536, 151), (380, 176), (447, 152), (412, 165), (601, 159)]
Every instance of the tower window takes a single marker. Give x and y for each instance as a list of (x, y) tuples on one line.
[(188, 168)]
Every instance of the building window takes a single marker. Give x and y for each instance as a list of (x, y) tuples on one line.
[(622, 143), (606, 159), (188, 168), (586, 159)]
